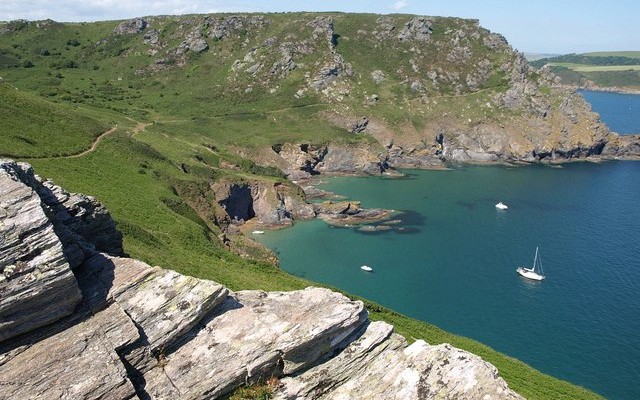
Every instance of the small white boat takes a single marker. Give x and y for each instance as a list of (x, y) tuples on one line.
[(258, 232), (534, 273), (501, 206), (366, 268)]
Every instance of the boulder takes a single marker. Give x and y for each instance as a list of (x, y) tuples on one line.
[(256, 335)]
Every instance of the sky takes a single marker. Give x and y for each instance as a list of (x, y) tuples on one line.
[(540, 26)]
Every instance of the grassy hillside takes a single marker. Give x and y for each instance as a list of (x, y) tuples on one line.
[(180, 112), (34, 127), (607, 69)]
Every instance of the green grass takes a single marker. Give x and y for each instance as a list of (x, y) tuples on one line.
[(597, 68), (80, 80), (618, 69), (34, 127), (629, 54)]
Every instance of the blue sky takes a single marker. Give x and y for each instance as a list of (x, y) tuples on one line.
[(542, 26)]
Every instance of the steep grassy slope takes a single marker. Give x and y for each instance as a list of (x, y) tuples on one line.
[(34, 127), (189, 95)]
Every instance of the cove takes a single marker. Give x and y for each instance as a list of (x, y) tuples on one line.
[(619, 111), (452, 260)]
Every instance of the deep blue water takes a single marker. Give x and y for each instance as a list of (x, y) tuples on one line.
[(452, 262), (621, 112)]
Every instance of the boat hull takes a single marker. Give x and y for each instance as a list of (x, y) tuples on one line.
[(526, 273)]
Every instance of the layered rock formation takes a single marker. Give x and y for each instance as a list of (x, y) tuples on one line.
[(119, 328)]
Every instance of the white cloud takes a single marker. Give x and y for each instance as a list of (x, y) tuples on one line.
[(399, 5), (95, 10)]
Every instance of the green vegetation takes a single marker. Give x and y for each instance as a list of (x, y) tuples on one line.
[(35, 127), (180, 119), (628, 54), (606, 69)]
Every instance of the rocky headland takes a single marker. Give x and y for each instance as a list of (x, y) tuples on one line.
[(78, 320)]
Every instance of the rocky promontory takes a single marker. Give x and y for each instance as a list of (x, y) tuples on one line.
[(107, 326)]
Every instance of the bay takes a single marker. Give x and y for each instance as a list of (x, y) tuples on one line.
[(452, 261), (619, 111)]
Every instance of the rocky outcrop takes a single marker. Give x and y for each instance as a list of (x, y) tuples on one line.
[(348, 213), (254, 336), (381, 365), (622, 146), (130, 27), (270, 203), (146, 332), (305, 160), (37, 286)]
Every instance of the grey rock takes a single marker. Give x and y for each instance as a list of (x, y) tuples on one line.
[(152, 37), (380, 364), (385, 28), (221, 27), (378, 76), (81, 222), (80, 362), (130, 27), (416, 86), (163, 304), (417, 28), (37, 286), (257, 335), (323, 28), (359, 125), (343, 159)]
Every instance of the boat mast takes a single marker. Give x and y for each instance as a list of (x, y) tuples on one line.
[(535, 260)]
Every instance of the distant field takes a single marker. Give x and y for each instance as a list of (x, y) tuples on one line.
[(596, 68), (629, 54)]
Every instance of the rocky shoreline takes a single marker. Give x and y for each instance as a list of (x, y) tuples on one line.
[(117, 328)]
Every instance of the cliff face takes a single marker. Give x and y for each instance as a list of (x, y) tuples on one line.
[(119, 328)]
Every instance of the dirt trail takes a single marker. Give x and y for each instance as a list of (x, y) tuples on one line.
[(93, 145)]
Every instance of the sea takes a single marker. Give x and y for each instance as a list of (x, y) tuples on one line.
[(620, 111), (451, 260)]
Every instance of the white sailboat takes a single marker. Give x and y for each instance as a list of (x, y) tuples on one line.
[(535, 272), (501, 206)]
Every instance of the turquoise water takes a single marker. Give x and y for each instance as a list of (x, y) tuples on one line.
[(452, 261), (621, 112)]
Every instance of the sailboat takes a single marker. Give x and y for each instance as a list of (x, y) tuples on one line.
[(535, 272)]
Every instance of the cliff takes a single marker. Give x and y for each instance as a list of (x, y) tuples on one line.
[(118, 328), (310, 93)]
